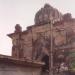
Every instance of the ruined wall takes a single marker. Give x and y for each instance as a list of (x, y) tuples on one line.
[(42, 39), (35, 41)]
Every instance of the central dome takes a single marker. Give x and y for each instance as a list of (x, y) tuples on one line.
[(46, 14)]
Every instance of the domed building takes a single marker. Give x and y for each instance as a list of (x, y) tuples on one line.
[(50, 40)]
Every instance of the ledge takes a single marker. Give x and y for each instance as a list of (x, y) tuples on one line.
[(20, 62)]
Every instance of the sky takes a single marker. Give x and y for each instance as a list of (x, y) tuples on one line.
[(22, 12)]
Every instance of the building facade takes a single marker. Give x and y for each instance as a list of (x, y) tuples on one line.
[(35, 42)]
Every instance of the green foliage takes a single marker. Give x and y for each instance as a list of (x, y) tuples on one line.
[(72, 54), (72, 62)]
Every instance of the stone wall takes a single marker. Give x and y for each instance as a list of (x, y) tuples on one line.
[(30, 41), (8, 69)]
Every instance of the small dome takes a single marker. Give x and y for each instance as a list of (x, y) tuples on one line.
[(18, 28)]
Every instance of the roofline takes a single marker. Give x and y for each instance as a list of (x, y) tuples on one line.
[(20, 62)]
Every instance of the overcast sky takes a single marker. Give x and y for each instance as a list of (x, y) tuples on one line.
[(22, 12)]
